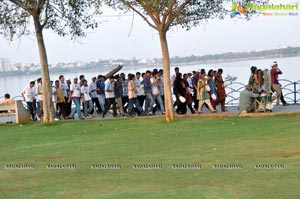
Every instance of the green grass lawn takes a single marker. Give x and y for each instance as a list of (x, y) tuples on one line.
[(128, 141)]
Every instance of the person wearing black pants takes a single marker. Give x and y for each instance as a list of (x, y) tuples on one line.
[(93, 94), (28, 94), (282, 100), (110, 96), (195, 80)]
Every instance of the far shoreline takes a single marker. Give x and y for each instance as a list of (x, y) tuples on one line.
[(105, 68)]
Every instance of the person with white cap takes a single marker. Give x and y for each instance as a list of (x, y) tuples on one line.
[(28, 94), (275, 71)]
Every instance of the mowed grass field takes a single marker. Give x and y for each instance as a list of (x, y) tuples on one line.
[(272, 140)]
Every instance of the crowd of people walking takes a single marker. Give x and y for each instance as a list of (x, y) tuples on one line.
[(135, 95), (143, 93)]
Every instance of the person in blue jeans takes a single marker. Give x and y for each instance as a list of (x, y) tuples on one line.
[(148, 92), (75, 96), (132, 95), (156, 94)]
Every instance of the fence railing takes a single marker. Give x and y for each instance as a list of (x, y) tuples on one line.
[(290, 91)]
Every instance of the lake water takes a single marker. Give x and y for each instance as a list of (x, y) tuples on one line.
[(241, 69)]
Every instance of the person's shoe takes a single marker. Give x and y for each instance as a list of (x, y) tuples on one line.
[(56, 119), (38, 118), (285, 104), (163, 113), (103, 115), (214, 111)]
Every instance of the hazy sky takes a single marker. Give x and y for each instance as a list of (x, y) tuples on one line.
[(115, 39)]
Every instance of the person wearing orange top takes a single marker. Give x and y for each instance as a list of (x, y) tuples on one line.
[(7, 100)]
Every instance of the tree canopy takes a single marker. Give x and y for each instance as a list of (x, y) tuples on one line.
[(163, 14), (64, 17)]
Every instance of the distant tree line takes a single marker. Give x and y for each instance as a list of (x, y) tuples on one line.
[(274, 53)]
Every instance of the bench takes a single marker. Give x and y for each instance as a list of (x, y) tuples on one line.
[(22, 114)]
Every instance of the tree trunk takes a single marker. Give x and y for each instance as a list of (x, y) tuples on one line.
[(167, 85), (47, 92)]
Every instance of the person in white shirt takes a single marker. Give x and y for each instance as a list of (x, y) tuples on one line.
[(140, 89), (75, 97), (87, 100), (54, 99), (160, 85), (110, 96), (93, 93), (155, 90), (28, 94), (190, 81), (40, 98), (132, 96)]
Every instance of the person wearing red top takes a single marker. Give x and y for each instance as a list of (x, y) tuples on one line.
[(275, 71)]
